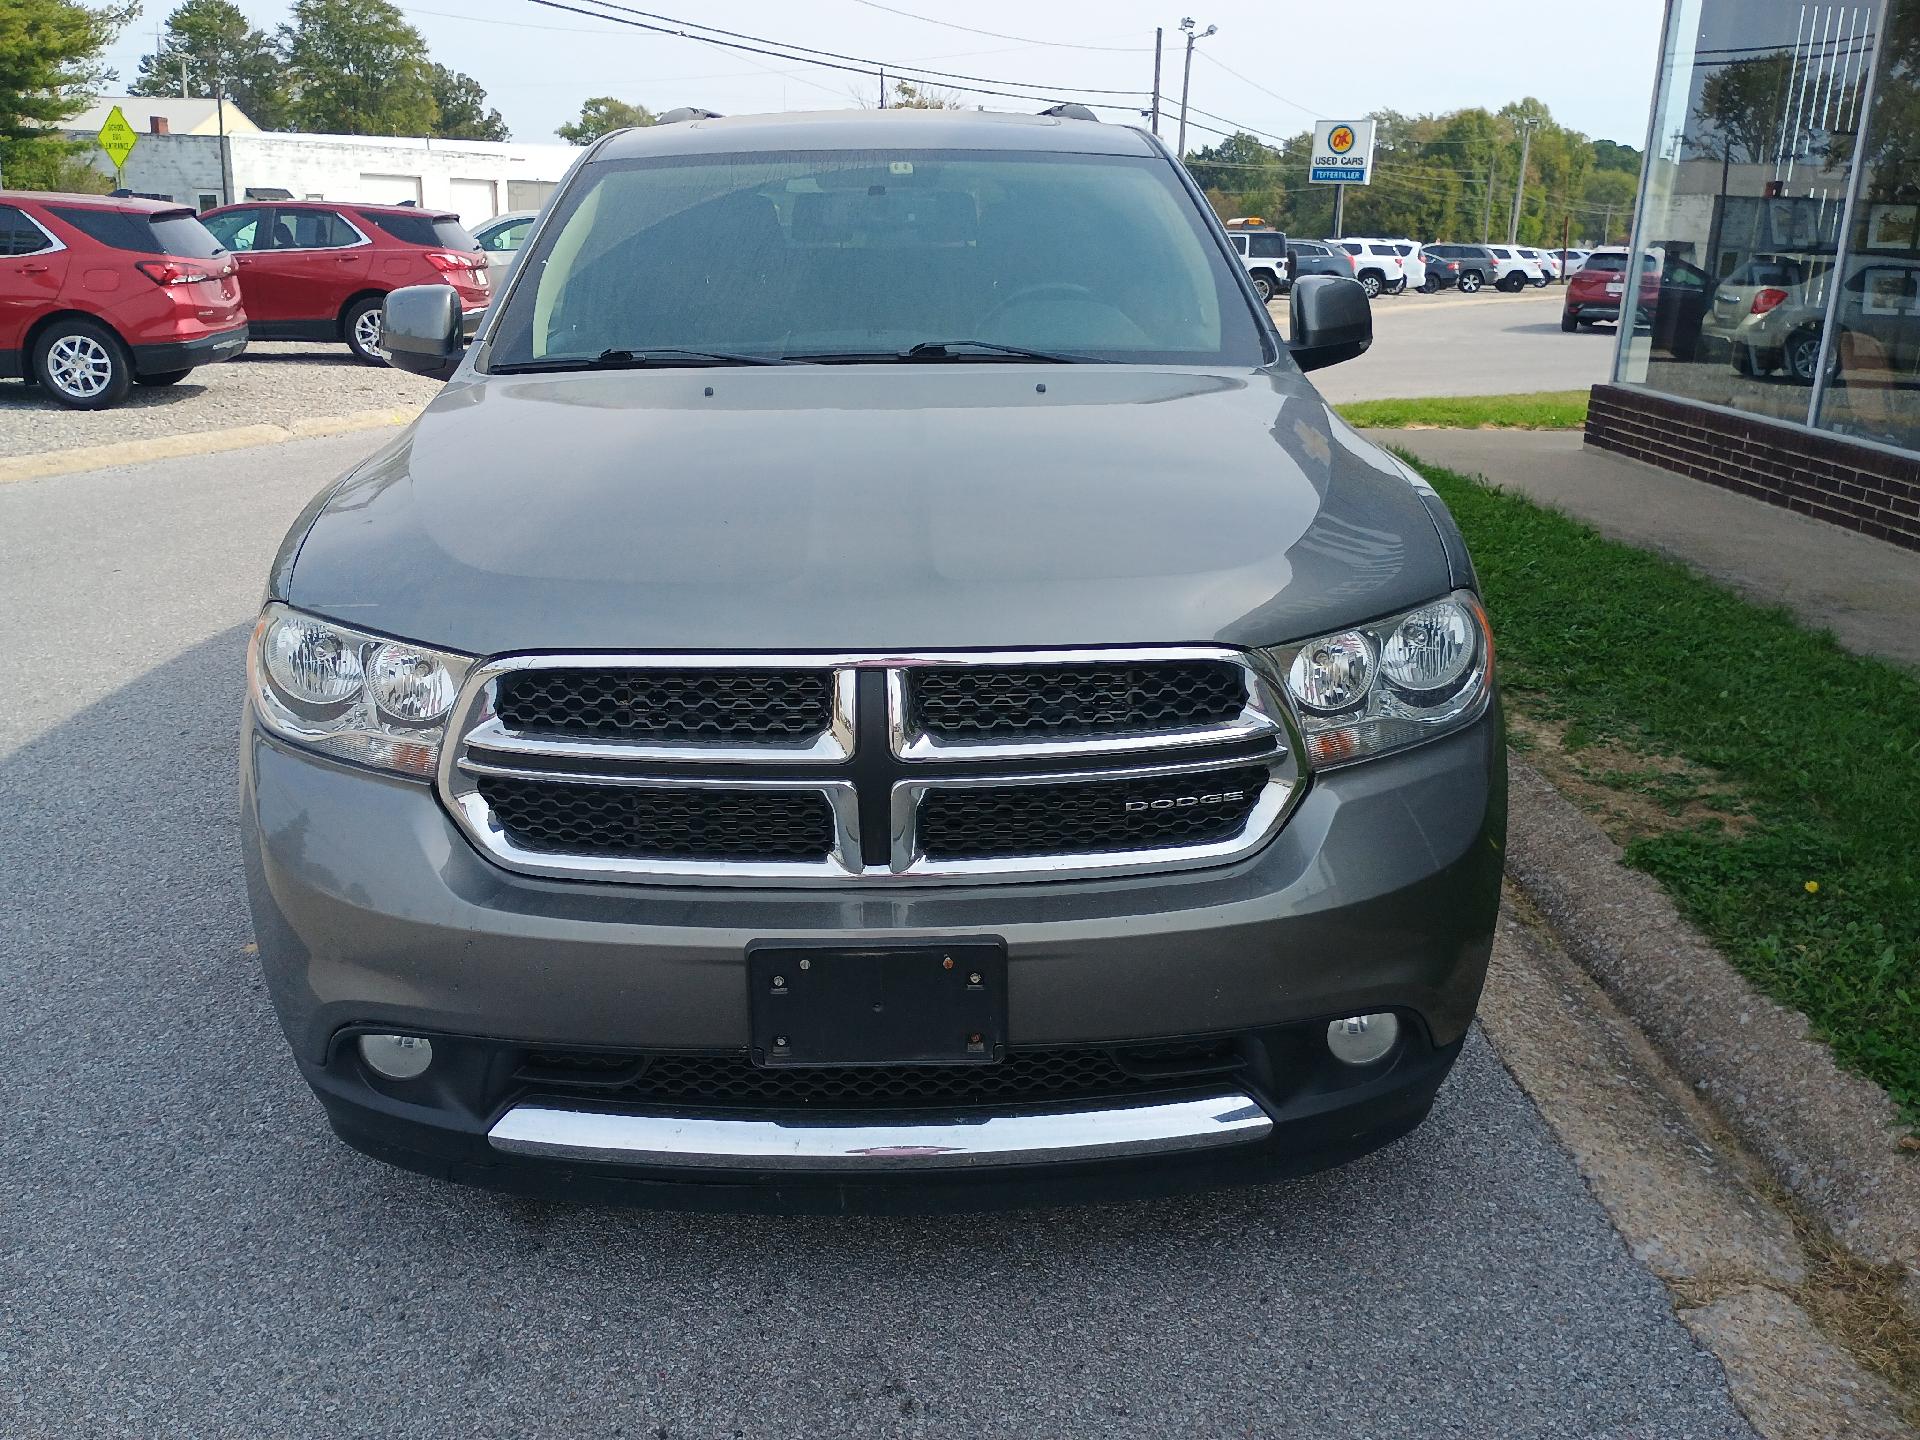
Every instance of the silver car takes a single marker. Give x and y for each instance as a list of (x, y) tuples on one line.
[(865, 718), (500, 240)]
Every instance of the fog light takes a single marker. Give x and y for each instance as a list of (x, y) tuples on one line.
[(1360, 1039), (398, 1057)]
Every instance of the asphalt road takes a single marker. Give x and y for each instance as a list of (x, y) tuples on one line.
[(1485, 344), (185, 1250)]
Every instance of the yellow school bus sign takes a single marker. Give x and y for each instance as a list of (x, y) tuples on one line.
[(117, 137)]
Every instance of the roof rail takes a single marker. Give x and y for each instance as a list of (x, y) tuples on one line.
[(687, 112), (1068, 110)]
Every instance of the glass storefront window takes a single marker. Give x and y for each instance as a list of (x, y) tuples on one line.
[(1872, 389), (1755, 113)]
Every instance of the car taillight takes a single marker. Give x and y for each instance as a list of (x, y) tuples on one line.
[(447, 261), (179, 272), (1765, 300)]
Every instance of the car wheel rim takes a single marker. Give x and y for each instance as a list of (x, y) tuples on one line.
[(80, 366), (366, 331)]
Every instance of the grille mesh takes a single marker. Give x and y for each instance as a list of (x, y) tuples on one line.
[(669, 705), (1087, 817), (1024, 1076), (1035, 702), (631, 821)]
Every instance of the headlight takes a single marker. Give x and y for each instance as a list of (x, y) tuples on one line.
[(1390, 684), (365, 698)]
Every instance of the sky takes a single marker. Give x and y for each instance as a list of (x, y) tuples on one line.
[(1273, 67)]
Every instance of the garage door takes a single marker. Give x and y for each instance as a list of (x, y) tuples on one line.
[(388, 189), (475, 200)]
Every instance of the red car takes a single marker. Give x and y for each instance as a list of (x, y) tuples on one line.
[(96, 293), (319, 270)]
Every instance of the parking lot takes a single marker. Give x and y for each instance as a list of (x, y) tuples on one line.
[(188, 1239)]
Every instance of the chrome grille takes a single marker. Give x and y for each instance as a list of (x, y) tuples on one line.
[(1089, 816), (752, 769), (1065, 701), (697, 706), (709, 823)]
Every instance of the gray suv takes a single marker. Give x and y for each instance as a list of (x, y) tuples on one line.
[(829, 709)]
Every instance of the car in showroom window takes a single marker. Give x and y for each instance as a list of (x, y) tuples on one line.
[(877, 683)]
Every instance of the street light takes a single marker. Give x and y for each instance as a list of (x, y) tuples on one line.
[(1186, 80)]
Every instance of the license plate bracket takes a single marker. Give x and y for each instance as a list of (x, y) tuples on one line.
[(920, 1004)]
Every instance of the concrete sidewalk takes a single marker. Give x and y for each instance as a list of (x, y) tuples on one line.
[(1863, 590)]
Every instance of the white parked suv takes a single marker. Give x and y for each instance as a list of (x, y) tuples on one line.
[(1377, 265), (1412, 268), (1264, 253), (1512, 270)]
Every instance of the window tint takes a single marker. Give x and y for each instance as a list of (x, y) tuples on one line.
[(1352, 247), (312, 230), (1239, 242), (19, 235), (1267, 247), (442, 232), (237, 229), (850, 252), (1401, 249), (1306, 248), (166, 232), (1498, 253)]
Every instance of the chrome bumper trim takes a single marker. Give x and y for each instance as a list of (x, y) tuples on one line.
[(875, 1144)]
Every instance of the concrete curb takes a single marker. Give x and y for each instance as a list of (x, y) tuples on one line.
[(1830, 1138), (199, 442)]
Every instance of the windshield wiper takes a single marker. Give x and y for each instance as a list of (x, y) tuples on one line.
[(653, 357), (936, 350)]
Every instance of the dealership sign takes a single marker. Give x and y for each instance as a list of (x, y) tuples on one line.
[(1342, 152)]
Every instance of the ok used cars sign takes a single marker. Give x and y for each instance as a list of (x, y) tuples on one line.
[(1342, 152)]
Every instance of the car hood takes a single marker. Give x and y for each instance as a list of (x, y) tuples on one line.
[(867, 508)]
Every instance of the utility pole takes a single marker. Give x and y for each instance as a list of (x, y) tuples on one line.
[(1486, 207), (1186, 80), (1520, 181), (1158, 33), (883, 89), (183, 75), (226, 155)]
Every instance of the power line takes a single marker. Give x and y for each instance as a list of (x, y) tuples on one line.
[(1275, 94), (827, 59), (997, 35)]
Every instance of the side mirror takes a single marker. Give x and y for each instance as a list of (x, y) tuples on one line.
[(1328, 321), (421, 330)]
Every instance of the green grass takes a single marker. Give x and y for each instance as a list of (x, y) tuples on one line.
[(1547, 410), (1804, 862)]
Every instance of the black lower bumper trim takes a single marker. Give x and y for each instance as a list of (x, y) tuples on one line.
[(175, 355), (1316, 1125)]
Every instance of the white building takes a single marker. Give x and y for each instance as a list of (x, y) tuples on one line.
[(477, 179)]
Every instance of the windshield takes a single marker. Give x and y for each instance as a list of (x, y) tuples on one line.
[(844, 254)]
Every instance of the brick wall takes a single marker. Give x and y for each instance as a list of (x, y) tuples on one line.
[(1859, 486)]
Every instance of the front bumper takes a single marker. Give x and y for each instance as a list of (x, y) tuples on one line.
[(372, 911)]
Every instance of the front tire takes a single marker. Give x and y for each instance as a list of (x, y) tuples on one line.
[(82, 365), (361, 325), (163, 377), (1470, 281)]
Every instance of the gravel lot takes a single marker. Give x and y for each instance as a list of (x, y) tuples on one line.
[(271, 384), (189, 1252)]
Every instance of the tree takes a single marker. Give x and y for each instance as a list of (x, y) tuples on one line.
[(601, 114), (356, 67), (49, 68), (461, 109), (221, 51), (923, 97), (1742, 112)]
